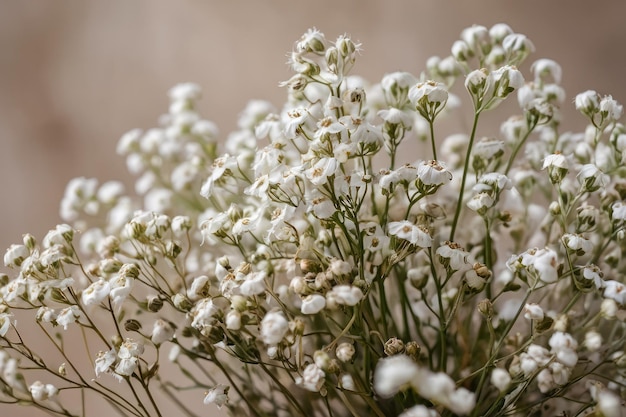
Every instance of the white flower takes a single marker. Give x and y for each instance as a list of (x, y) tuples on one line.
[(564, 346), (96, 292), (313, 304), (104, 360), (429, 98), (577, 243), (318, 174), (274, 327), (203, 313), (253, 284), (217, 395), (615, 290), (121, 286), (394, 374), (5, 323), (618, 211), (588, 102), (162, 331), (15, 254), (433, 173), (126, 366), (544, 69), (68, 315), (593, 340), (501, 379), (408, 231), (233, 320), (481, 202), (312, 378), (345, 351), (533, 311), (611, 109), (557, 167), (41, 391), (344, 295), (453, 256), (130, 348), (419, 411), (591, 178)]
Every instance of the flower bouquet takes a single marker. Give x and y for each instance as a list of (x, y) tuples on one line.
[(337, 257)]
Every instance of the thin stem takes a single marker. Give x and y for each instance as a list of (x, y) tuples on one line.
[(457, 213)]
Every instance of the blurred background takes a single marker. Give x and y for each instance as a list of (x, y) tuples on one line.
[(76, 75)]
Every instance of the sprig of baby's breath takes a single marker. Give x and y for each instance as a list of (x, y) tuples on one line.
[(336, 257)]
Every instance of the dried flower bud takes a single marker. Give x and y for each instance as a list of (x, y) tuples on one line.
[(155, 303), (413, 350), (393, 346), (181, 302), (29, 241), (485, 307), (132, 325)]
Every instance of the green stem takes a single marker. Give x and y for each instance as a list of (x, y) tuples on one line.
[(459, 204), (432, 138)]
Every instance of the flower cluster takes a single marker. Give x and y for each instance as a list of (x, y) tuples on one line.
[(337, 257)]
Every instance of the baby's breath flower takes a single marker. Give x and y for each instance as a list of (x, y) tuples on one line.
[(217, 395), (313, 304), (274, 327), (415, 235), (41, 392)]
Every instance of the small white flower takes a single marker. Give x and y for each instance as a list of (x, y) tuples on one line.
[(68, 315), (312, 378), (481, 202), (313, 304), (433, 173), (588, 102), (533, 311), (419, 411), (104, 360), (501, 379), (233, 320), (344, 295), (96, 292), (615, 290), (274, 327), (564, 346), (126, 366), (41, 391), (394, 374), (593, 340), (217, 395), (326, 167), (15, 254), (591, 178), (618, 211), (162, 331), (345, 352), (253, 284), (577, 243), (5, 323), (408, 231)]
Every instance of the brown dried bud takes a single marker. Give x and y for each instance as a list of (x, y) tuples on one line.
[(486, 308), (394, 346)]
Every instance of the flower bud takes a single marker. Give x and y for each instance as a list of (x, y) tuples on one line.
[(485, 307), (155, 303), (393, 346), (413, 350), (132, 325), (345, 352)]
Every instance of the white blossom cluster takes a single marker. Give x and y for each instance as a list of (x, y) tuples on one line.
[(337, 257)]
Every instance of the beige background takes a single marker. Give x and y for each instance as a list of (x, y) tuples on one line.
[(76, 75)]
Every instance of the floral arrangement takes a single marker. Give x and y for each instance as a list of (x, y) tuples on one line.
[(340, 259)]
